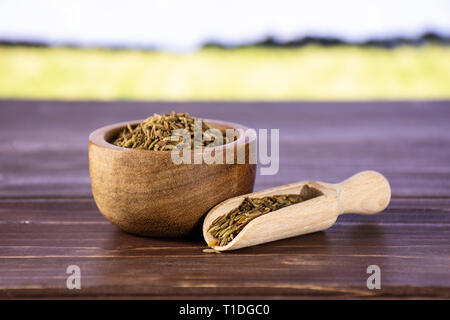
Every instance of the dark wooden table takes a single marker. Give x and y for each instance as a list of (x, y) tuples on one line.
[(48, 219)]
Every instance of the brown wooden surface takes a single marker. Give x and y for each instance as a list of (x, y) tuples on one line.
[(48, 219)]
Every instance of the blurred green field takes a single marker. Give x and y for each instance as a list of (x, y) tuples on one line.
[(306, 73)]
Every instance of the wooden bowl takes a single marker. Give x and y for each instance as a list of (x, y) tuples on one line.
[(145, 193)]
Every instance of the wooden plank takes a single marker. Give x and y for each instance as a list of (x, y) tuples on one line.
[(48, 219), (40, 238), (44, 143)]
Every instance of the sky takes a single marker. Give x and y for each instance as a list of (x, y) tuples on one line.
[(180, 25)]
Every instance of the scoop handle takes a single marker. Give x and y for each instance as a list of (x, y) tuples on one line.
[(367, 192)]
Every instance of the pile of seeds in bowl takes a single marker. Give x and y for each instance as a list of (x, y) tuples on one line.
[(156, 133), (226, 227)]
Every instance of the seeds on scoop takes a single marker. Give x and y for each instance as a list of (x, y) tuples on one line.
[(226, 227)]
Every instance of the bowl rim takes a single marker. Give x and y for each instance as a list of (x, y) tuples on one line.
[(98, 136)]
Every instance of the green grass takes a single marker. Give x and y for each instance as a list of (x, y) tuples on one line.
[(307, 73)]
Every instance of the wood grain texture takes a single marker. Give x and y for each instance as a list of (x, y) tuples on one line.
[(39, 239), (145, 193), (48, 219), (44, 144)]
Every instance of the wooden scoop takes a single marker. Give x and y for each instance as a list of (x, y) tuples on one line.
[(367, 192)]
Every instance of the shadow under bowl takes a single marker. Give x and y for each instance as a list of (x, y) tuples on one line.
[(144, 192)]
